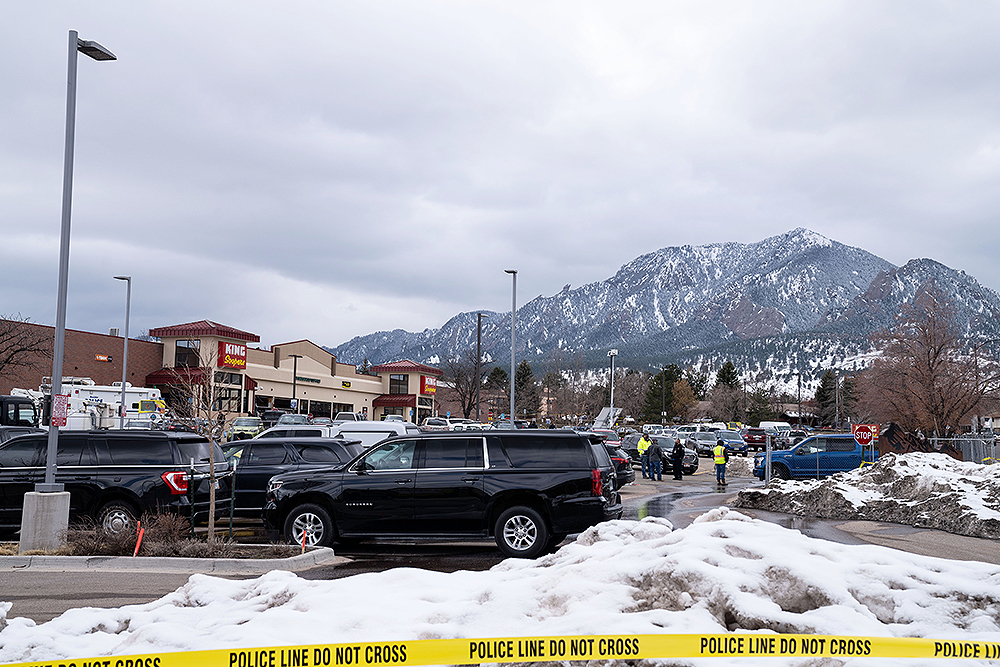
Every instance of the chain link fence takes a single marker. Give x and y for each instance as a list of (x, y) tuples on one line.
[(976, 447)]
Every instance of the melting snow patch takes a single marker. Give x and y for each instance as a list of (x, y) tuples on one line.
[(926, 490)]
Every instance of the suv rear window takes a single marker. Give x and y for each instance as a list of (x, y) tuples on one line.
[(197, 449), (548, 452), (140, 451)]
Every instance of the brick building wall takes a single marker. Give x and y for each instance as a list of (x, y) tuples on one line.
[(80, 359)]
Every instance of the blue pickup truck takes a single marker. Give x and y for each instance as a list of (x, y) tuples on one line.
[(817, 456)]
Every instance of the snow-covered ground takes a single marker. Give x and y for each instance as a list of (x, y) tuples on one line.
[(926, 490), (723, 573)]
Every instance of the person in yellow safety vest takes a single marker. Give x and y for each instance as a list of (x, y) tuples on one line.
[(721, 456), (644, 443)]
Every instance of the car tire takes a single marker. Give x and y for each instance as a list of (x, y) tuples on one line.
[(312, 521), (780, 471), (520, 532), (117, 517)]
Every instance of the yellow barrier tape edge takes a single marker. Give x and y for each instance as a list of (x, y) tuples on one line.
[(547, 649)]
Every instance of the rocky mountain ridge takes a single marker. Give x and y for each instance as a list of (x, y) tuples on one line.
[(796, 302)]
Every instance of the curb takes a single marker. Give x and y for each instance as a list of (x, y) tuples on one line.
[(312, 558)]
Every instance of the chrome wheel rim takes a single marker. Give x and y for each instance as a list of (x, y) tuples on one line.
[(309, 525), (116, 521), (520, 533)]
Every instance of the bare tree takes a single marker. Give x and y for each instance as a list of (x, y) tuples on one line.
[(460, 372), (684, 399), (930, 377), (630, 392), (23, 347), (201, 401)]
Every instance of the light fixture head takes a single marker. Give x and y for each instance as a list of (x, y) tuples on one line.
[(94, 50)]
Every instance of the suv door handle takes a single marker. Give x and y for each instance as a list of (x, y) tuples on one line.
[(475, 478), (402, 481)]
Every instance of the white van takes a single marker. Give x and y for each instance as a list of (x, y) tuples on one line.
[(370, 433)]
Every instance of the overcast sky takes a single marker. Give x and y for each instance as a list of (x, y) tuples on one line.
[(328, 169)]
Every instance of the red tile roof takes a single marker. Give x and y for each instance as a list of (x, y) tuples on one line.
[(203, 328), (406, 366)]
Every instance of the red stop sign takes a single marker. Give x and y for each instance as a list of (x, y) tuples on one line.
[(863, 434)]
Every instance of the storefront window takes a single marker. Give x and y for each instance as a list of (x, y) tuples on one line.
[(186, 354), (227, 400), (399, 384)]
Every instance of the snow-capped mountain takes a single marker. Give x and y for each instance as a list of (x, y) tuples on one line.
[(790, 301)]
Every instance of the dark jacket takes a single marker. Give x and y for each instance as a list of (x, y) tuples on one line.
[(677, 453), (655, 452)]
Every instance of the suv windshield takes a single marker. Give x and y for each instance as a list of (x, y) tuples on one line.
[(246, 421)]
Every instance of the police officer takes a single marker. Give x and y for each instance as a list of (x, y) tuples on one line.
[(721, 456), (644, 443)]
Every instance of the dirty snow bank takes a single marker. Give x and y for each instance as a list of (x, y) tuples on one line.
[(723, 572), (739, 466), (926, 490)]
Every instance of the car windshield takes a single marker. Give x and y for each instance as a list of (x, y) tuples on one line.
[(246, 421), (704, 436), (729, 435)]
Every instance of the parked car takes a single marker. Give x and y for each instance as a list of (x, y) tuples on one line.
[(703, 442), (269, 418), (756, 439), (288, 419), (526, 489), (689, 464), (610, 437), (8, 432), (255, 462), (796, 436), (347, 417), (246, 427), (393, 418), (631, 446), (116, 476), (370, 433), (732, 441), (623, 465), (299, 431)]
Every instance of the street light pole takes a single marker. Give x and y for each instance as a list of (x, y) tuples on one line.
[(45, 513), (479, 357), (128, 306), (97, 52), (295, 372), (513, 314), (612, 354)]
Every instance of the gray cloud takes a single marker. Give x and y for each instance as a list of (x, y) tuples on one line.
[(326, 169)]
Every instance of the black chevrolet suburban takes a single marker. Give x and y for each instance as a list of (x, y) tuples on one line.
[(527, 488), (115, 477)]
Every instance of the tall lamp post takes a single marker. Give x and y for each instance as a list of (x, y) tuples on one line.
[(479, 357), (46, 515), (513, 313), (612, 354), (295, 372), (128, 306)]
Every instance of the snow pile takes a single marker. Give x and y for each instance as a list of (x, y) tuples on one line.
[(723, 572), (926, 490), (739, 466)]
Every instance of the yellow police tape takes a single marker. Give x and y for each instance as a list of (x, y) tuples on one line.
[(546, 649)]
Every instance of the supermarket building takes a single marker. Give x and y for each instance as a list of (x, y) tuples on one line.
[(245, 378)]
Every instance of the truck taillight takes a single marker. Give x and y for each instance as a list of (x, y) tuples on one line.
[(177, 481), (596, 486)]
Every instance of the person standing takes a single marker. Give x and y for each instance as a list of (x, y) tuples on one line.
[(655, 453), (677, 458), (644, 443), (721, 456)]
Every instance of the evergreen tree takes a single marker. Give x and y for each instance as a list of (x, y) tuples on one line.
[(826, 398), (697, 382), (659, 396), (527, 398), (759, 406), (727, 376)]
